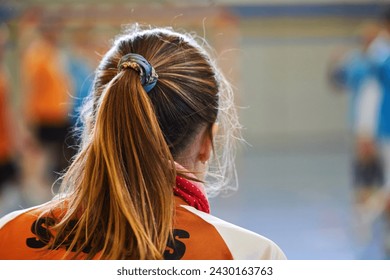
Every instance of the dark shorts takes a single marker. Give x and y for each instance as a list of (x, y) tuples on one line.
[(8, 172), (47, 134), (62, 142)]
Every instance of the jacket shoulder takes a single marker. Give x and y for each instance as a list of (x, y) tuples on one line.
[(242, 243)]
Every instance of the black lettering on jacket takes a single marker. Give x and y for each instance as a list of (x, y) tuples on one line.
[(38, 228), (42, 236), (175, 248)]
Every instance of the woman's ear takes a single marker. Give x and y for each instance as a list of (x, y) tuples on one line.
[(207, 143), (214, 130)]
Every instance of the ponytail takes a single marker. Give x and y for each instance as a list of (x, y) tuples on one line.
[(126, 190)]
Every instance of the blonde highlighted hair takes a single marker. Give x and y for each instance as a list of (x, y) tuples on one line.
[(119, 188)]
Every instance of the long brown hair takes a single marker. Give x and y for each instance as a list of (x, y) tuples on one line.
[(118, 190)]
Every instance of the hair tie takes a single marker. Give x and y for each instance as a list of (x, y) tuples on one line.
[(148, 75)]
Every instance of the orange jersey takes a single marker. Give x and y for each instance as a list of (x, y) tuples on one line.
[(198, 236), (47, 85)]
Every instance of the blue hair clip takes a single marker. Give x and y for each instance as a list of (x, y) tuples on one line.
[(148, 75)]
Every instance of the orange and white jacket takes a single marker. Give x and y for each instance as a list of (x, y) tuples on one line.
[(198, 236)]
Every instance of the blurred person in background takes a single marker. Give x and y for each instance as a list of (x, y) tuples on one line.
[(159, 137), (354, 72), (367, 76), (9, 166), (47, 104)]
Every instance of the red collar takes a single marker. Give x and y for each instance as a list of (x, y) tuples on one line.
[(191, 194)]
